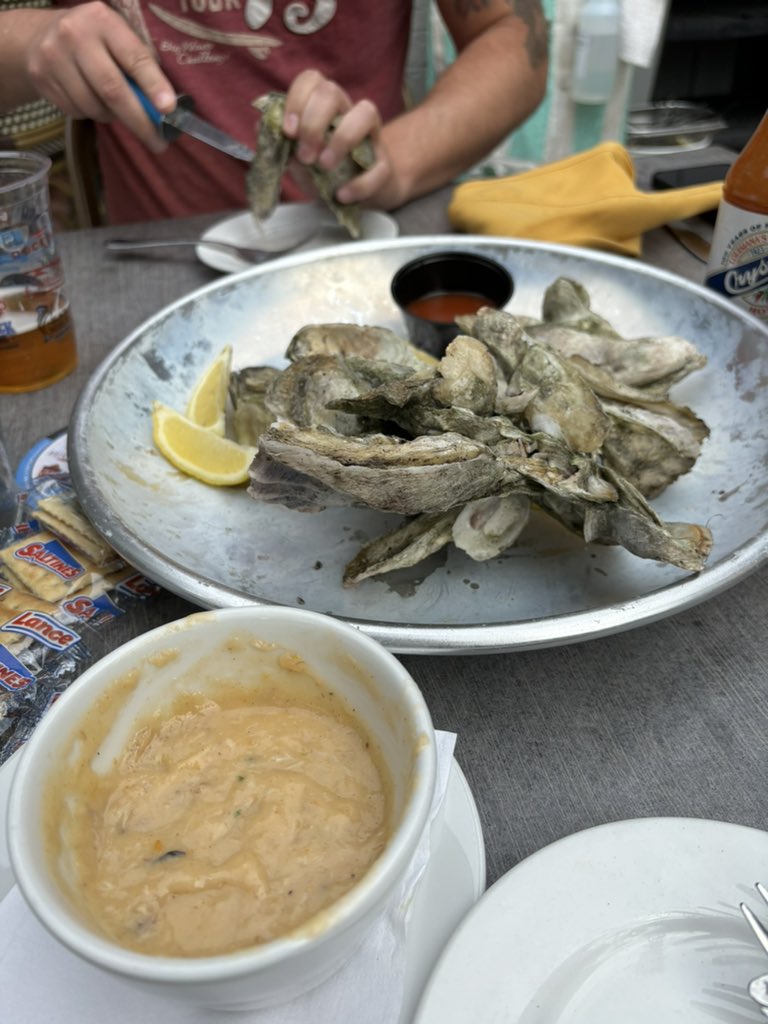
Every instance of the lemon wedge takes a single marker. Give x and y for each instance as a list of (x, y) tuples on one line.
[(208, 401), (198, 451)]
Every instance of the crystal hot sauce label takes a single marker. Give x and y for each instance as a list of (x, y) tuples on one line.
[(738, 264)]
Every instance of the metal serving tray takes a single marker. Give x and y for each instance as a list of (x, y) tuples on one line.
[(219, 547)]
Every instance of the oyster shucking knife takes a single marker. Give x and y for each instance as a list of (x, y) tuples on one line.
[(184, 119)]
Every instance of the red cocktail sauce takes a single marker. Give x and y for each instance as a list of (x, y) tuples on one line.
[(444, 307)]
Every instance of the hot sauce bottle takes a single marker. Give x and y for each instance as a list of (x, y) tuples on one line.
[(738, 261)]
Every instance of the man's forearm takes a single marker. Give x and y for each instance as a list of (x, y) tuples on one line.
[(495, 83), (17, 29)]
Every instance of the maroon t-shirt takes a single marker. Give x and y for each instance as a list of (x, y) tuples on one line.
[(226, 53)]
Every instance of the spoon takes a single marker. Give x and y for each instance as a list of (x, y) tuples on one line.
[(250, 254)]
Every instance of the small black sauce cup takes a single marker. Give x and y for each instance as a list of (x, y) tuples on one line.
[(443, 273)]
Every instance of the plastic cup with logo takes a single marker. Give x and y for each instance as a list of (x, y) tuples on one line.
[(37, 340)]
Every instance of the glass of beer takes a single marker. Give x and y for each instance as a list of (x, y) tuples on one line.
[(37, 340)]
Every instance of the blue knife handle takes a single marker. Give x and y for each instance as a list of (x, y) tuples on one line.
[(163, 123), (152, 112)]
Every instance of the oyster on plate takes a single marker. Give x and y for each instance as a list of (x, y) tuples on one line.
[(483, 528), (374, 343), (430, 473), (568, 303), (247, 398)]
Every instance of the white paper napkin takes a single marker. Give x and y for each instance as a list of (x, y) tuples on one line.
[(42, 982)]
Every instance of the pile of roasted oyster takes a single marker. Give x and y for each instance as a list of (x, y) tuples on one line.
[(561, 414)]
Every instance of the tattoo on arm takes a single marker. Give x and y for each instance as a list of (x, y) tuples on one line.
[(530, 13), (537, 43)]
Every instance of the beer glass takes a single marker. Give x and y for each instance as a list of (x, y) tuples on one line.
[(37, 340)]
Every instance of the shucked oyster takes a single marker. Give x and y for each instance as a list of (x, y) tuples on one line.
[(327, 182), (273, 152)]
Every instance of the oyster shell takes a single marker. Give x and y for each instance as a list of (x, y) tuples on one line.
[(567, 302), (409, 544), (631, 523), (656, 363), (429, 474), (562, 404), (482, 528), (466, 377), (547, 466), (487, 526), (652, 445), (273, 152), (247, 394), (277, 484), (379, 343), (349, 215), (304, 391), (412, 408), (501, 333)]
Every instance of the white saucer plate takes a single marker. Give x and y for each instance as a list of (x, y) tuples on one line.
[(452, 882), (635, 921), (287, 222)]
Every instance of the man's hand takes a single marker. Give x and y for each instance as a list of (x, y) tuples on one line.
[(312, 104), (78, 59)]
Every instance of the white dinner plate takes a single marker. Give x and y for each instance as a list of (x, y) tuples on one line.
[(635, 921), (452, 882), (285, 224)]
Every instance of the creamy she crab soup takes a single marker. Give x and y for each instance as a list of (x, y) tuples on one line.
[(230, 818)]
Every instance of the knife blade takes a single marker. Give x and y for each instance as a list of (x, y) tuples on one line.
[(184, 119), (691, 241)]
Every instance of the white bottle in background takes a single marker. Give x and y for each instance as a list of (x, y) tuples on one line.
[(596, 53)]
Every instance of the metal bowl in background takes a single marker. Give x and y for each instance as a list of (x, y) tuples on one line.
[(672, 126)]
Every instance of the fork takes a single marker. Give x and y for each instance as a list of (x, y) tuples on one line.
[(244, 252), (758, 987)]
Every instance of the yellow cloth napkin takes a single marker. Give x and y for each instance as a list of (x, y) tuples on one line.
[(587, 199)]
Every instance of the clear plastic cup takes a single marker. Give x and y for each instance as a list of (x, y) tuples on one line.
[(37, 339)]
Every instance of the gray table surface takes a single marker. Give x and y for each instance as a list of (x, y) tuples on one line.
[(666, 719)]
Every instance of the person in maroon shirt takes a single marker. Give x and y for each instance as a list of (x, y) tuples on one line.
[(334, 58)]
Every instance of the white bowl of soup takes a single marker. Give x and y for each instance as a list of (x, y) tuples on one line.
[(220, 809)]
